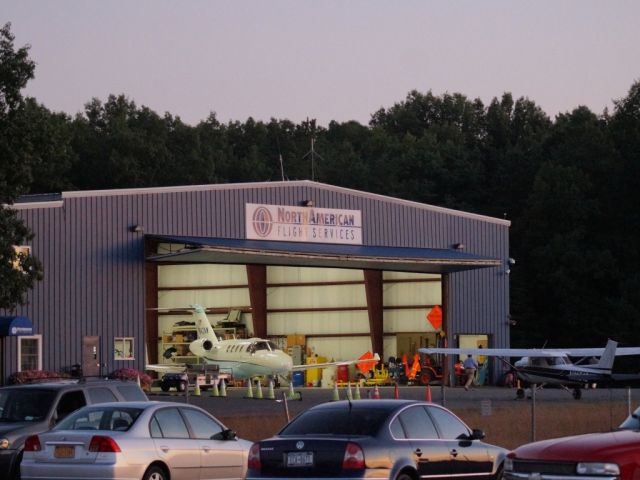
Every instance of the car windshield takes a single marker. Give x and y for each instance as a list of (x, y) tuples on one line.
[(632, 422), (101, 418), (25, 405), (336, 421)]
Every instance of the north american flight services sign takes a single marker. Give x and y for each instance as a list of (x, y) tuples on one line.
[(303, 224)]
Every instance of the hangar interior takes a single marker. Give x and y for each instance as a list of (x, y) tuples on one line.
[(326, 307)]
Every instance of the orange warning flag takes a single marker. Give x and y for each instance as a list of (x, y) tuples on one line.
[(406, 365), (367, 364), (435, 317)]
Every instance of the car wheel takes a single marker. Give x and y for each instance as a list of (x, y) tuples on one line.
[(425, 377), (498, 475), (182, 386), (164, 387), (404, 476), (15, 475), (155, 473)]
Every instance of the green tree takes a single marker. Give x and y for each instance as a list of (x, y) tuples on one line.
[(18, 273)]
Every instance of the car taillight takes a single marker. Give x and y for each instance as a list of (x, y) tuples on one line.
[(101, 443), (254, 457), (32, 444), (353, 457)]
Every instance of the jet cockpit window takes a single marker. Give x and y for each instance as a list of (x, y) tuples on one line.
[(264, 345), (272, 346)]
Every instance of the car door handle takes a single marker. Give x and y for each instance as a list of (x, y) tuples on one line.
[(164, 448), (418, 452), (454, 453), (206, 448)]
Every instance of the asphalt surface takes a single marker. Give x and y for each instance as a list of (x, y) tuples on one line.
[(236, 403)]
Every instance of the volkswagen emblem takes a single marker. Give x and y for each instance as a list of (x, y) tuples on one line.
[(300, 445)]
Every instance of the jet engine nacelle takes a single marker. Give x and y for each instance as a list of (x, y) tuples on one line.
[(201, 346)]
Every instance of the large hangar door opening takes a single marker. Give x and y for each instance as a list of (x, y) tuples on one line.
[(326, 307), (221, 289)]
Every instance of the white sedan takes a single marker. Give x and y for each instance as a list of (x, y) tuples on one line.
[(136, 440)]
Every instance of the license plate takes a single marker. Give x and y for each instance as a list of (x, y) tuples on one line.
[(64, 451), (299, 459)]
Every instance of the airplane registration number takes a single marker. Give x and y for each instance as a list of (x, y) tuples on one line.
[(299, 459), (64, 451)]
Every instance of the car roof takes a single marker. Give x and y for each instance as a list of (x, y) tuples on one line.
[(67, 384), (141, 404), (384, 404)]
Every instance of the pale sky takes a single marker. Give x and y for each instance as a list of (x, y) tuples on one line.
[(325, 59)]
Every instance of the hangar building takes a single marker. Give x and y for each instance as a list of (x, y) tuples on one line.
[(335, 270)]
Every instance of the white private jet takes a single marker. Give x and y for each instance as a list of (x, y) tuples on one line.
[(243, 358), (553, 366)]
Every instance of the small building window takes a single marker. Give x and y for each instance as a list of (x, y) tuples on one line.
[(123, 348), (30, 353)]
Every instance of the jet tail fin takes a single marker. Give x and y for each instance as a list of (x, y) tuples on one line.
[(203, 326), (608, 356)]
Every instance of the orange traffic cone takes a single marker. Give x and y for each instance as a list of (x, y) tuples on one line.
[(428, 392), (396, 392), (376, 393)]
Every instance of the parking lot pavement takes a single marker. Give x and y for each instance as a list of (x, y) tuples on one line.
[(235, 402)]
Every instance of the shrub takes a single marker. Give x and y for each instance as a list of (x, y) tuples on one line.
[(29, 376), (133, 375)]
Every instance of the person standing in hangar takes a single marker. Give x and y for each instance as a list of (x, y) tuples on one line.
[(470, 367)]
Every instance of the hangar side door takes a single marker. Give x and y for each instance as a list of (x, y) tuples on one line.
[(91, 356)]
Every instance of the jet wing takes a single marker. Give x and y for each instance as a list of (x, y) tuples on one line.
[(531, 352), (499, 352), (167, 368), (597, 352), (307, 366)]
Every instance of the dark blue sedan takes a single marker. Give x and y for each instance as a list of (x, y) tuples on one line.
[(376, 439)]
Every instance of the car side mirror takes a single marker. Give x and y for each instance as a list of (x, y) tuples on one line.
[(225, 435), (477, 434)]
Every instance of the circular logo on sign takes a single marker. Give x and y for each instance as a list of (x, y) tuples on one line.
[(14, 330), (262, 221), (300, 445)]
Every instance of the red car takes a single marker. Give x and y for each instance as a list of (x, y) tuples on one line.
[(594, 456)]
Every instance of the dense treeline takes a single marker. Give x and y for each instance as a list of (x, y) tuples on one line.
[(568, 185)]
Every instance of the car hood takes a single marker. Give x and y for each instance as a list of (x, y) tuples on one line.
[(592, 446), (21, 428)]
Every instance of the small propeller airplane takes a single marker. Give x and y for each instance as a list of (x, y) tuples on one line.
[(245, 358), (553, 366)]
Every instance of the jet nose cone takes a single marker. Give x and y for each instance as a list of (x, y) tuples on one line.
[(287, 362)]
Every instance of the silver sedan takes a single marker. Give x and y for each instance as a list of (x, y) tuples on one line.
[(136, 440)]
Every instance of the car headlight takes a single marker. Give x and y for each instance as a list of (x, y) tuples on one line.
[(4, 443), (508, 464), (596, 468)]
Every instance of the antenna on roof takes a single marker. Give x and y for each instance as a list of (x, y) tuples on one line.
[(281, 166), (313, 155), (280, 158)]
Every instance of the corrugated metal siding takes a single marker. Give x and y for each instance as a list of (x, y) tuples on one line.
[(94, 266)]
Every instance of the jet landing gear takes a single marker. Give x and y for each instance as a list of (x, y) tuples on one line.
[(577, 393)]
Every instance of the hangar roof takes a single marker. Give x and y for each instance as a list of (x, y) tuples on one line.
[(57, 200), (226, 250)]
